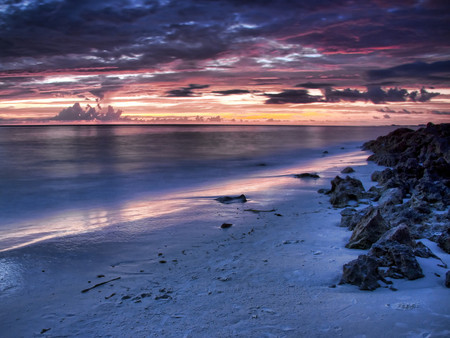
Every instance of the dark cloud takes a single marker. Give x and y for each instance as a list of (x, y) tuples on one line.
[(269, 43), (292, 96), (402, 111), (77, 113), (378, 95), (311, 85), (436, 70), (185, 91), (373, 94), (232, 92), (438, 112)]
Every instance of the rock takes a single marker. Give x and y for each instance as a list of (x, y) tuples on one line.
[(307, 175), (368, 230), (226, 225), (374, 193), (362, 272), (421, 250), (347, 170), (399, 234), (444, 240), (347, 217), (391, 196), (447, 279), (399, 258), (229, 200), (375, 176), (345, 190)]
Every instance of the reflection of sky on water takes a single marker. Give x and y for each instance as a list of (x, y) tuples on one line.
[(84, 220)]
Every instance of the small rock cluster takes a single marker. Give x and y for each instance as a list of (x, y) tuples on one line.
[(409, 202)]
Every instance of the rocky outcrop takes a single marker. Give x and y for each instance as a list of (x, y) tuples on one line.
[(345, 190), (402, 208)]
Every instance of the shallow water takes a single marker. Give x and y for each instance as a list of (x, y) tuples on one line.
[(79, 177)]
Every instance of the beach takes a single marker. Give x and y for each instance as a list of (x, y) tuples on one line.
[(273, 273)]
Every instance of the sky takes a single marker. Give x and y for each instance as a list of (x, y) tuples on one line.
[(321, 62)]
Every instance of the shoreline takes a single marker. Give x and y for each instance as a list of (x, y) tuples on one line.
[(266, 275)]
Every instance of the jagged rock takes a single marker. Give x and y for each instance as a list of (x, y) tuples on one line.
[(345, 190), (432, 191), (307, 175), (375, 176), (421, 250), (229, 200), (382, 176), (347, 170), (399, 234), (347, 216), (362, 272), (368, 230), (444, 240), (399, 258), (410, 169), (391, 196), (374, 193), (447, 279), (351, 217)]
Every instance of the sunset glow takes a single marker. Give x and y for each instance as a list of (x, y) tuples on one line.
[(288, 62)]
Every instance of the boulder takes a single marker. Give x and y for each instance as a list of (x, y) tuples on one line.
[(447, 279), (399, 234), (362, 272), (369, 229), (398, 258), (347, 170), (421, 250), (345, 190), (307, 175), (229, 200), (444, 240), (391, 196)]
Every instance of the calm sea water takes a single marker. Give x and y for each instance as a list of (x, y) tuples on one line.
[(47, 170)]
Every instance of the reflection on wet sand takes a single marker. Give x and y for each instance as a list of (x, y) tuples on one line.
[(79, 221)]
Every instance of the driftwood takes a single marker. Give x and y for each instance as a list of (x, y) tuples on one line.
[(99, 284)]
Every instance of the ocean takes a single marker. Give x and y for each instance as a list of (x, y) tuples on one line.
[(48, 174)]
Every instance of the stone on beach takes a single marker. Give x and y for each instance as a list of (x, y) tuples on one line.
[(362, 272), (347, 170), (368, 230), (444, 240), (232, 199), (398, 258), (307, 175), (345, 190)]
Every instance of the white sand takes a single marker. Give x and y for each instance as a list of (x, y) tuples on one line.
[(266, 276)]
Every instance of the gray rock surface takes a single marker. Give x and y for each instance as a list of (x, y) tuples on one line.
[(368, 230)]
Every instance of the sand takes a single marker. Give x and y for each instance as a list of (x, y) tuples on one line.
[(273, 273)]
